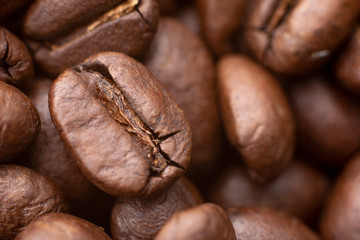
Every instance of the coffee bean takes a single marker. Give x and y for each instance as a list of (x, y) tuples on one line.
[(299, 191), (327, 121), (122, 127), (295, 37), (221, 21), (128, 28), (16, 65), (204, 222), (257, 223), (142, 219), (180, 61), (256, 116), (46, 19), (348, 63), (19, 122), (24, 196), (61, 226), (340, 218), (113, 134)]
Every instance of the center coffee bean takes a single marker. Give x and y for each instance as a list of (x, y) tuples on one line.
[(121, 125)]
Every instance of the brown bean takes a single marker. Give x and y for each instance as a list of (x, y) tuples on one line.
[(256, 116), (340, 218), (61, 226), (257, 223), (24, 196), (124, 130), (204, 222), (296, 36), (19, 122)]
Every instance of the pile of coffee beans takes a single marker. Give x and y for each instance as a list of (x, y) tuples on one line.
[(179, 119)]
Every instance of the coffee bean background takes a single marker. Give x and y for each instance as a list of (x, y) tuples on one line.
[(179, 119)]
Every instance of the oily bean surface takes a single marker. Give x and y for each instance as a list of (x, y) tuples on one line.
[(122, 127), (61, 226), (256, 115), (24, 196), (142, 219), (19, 122), (204, 222)]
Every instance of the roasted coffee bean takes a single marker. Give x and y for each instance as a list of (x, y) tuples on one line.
[(46, 19), (296, 36), (48, 156), (221, 21), (61, 226), (120, 124), (142, 219), (327, 121), (256, 116), (128, 28), (257, 223), (16, 65), (204, 222), (10, 6), (24, 196), (348, 64), (180, 61), (19, 122), (341, 219), (299, 191)]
